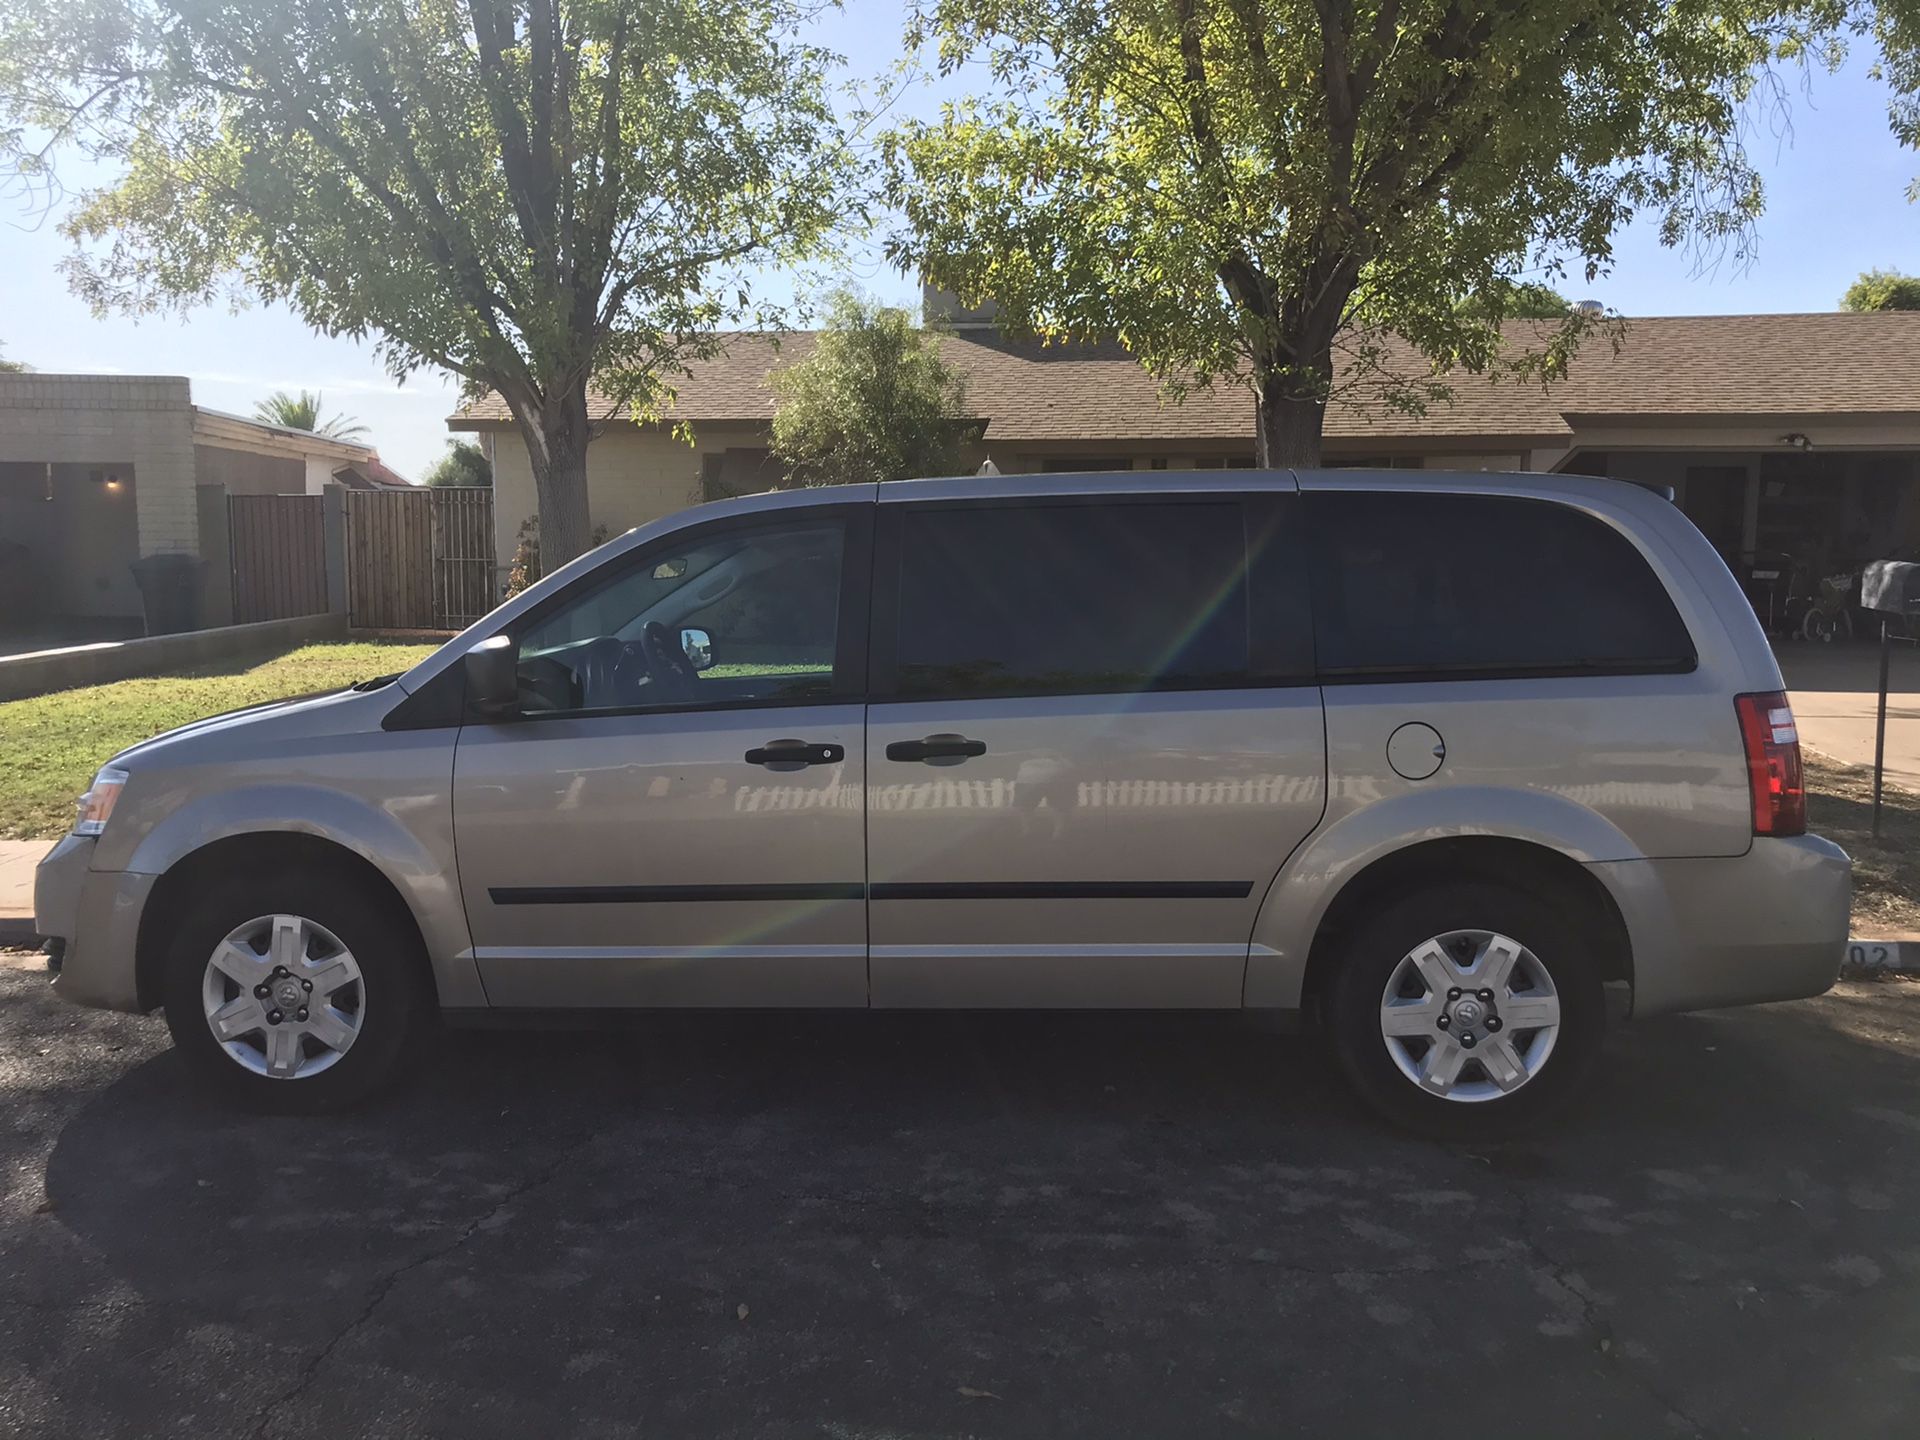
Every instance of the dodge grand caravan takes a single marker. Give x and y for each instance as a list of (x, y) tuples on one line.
[(1466, 767)]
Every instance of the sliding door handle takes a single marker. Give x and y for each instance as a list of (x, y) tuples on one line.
[(936, 748), (795, 754)]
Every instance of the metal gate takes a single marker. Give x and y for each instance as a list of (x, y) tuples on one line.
[(419, 559), (279, 549), (463, 560)]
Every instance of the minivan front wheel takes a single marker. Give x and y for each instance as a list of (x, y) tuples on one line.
[(1466, 1011), (295, 994), (284, 997)]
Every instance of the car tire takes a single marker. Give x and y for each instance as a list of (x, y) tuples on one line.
[(378, 1012), (1427, 947)]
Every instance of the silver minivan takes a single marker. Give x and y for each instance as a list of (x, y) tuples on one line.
[(1465, 767)]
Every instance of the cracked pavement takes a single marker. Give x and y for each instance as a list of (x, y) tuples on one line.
[(941, 1226)]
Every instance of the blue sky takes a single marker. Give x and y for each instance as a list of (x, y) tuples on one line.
[(1836, 206)]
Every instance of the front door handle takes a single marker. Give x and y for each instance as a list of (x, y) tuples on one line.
[(795, 754), (936, 748)]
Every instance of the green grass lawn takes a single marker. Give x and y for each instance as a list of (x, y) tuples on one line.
[(50, 745)]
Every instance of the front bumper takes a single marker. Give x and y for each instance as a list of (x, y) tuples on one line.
[(95, 915), (1767, 925)]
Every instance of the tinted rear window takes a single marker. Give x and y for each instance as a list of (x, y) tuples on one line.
[(1044, 599), (1483, 584)]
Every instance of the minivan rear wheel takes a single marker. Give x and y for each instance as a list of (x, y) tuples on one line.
[(297, 993), (1466, 1011)]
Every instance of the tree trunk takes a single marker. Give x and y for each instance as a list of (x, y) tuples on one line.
[(555, 430), (566, 521), (1287, 426), (1293, 369)]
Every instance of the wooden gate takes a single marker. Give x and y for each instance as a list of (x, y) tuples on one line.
[(279, 549), (419, 559)]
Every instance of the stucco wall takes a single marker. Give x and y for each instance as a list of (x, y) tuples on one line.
[(99, 420), (245, 473), (318, 473), (633, 476)]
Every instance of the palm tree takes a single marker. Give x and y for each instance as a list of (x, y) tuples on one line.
[(302, 412)]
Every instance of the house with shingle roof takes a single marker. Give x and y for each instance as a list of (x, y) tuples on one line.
[(1778, 434)]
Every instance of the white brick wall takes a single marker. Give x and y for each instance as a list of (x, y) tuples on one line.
[(145, 421)]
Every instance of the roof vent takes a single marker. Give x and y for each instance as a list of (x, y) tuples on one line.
[(1589, 307)]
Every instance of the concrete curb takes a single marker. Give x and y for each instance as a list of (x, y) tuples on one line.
[(45, 671), (17, 932), (1882, 957)]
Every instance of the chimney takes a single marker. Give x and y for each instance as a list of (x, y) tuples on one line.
[(943, 307)]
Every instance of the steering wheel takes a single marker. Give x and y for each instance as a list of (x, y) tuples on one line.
[(667, 663), (601, 683)]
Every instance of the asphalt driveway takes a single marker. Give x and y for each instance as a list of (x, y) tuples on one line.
[(950, 1226)]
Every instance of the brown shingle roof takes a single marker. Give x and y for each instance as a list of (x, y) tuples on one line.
[(1833, 363), (1672, 365)]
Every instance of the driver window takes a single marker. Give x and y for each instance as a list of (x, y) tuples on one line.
[(750, 615)]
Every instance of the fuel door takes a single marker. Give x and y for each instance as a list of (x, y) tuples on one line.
[(1415, 751)]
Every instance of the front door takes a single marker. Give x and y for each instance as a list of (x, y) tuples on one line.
[(675, 817), (1094, 741)]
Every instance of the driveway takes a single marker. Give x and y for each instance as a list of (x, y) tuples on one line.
[(1834, 690), (952, 1226)]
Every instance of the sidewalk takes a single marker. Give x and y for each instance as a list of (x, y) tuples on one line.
[(1834, 690), (17, 859)]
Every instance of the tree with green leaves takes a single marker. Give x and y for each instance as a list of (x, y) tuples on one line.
[(11, 367), (531, 194), (465, 463), (1516, 300), (302, 412), (1268, 191), (1882, 290), (874, 401)]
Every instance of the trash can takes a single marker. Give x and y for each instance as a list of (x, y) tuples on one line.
[(1891, 587), (169, 592)]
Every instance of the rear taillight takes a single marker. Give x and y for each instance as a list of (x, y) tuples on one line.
[(1773, 764)]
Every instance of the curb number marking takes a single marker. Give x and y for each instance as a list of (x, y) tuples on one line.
[(1883, 955)]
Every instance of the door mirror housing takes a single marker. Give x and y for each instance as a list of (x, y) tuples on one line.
[(493, 682), (699, 647)]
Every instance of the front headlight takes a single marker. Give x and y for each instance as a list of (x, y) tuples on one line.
[(96, 806)]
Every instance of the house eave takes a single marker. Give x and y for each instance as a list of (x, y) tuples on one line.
[(234, 432)]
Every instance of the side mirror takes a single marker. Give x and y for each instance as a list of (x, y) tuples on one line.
[(493, 683), (699, 647)]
